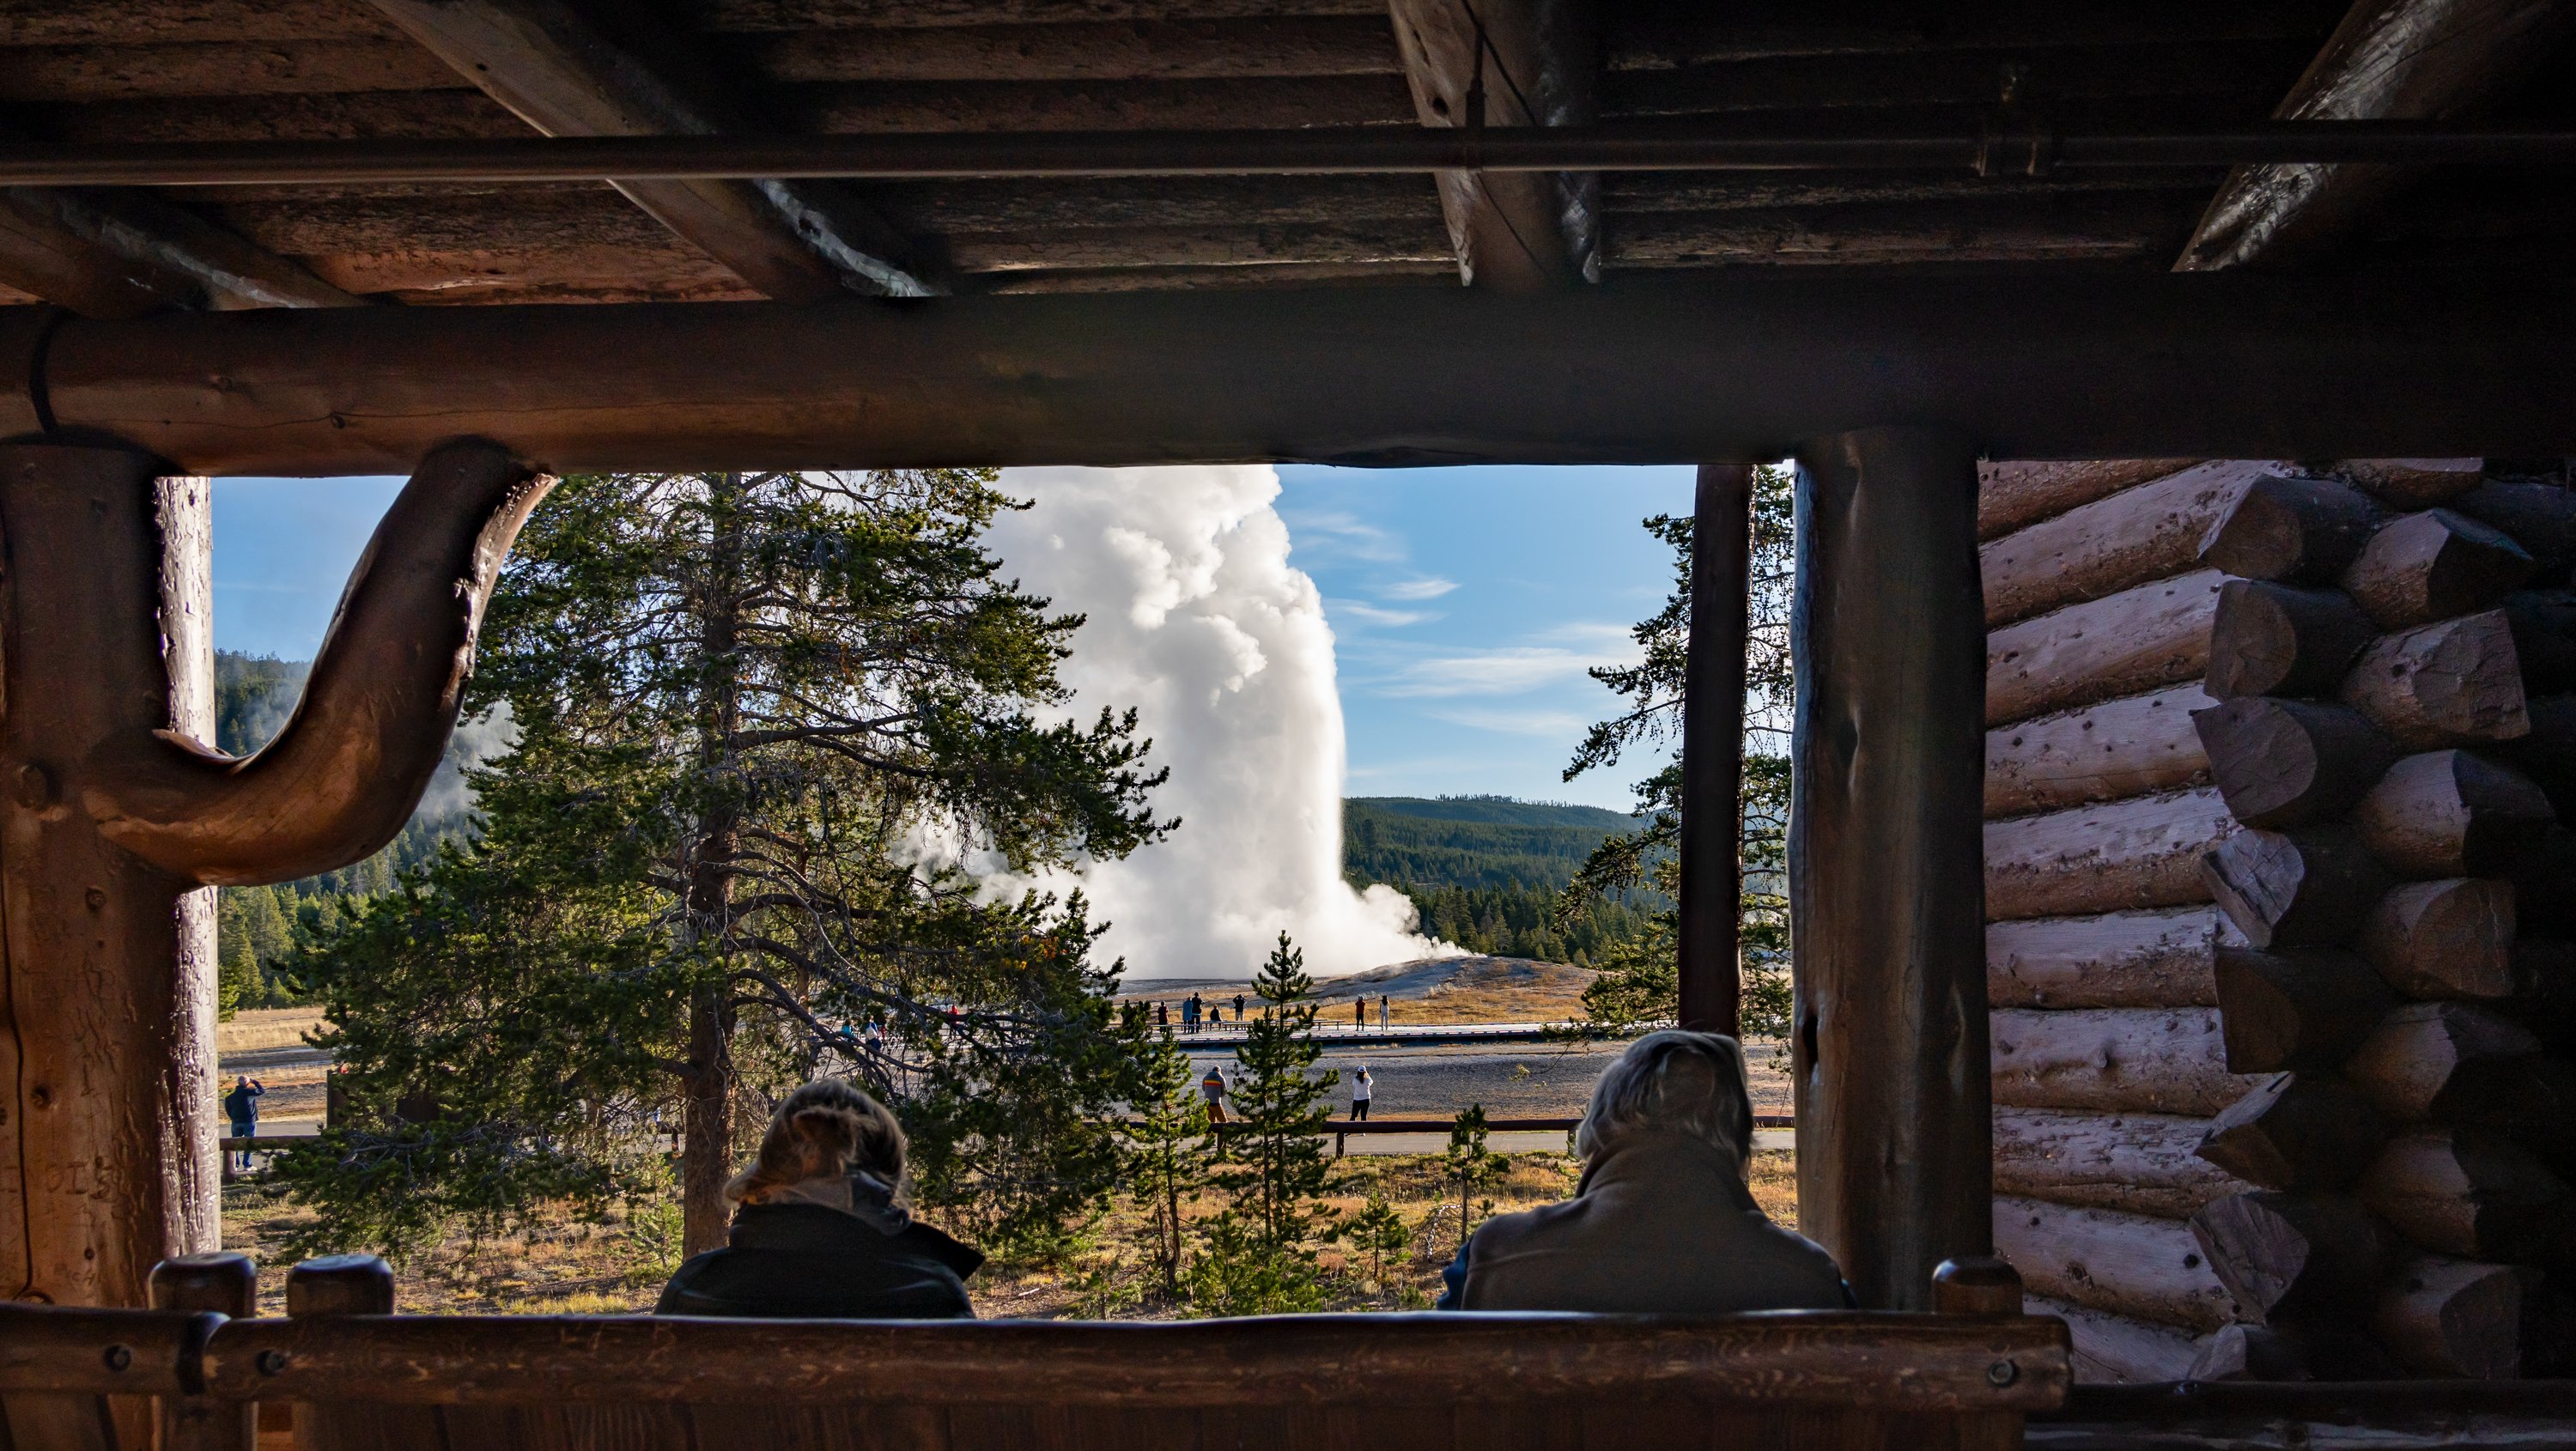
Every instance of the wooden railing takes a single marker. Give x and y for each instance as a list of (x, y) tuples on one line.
[(357, 1375)]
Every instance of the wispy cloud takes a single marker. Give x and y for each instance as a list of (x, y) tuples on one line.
[(1371, 614), (1338, 532), (1555, 724), (1425, 588), (1559, 654)]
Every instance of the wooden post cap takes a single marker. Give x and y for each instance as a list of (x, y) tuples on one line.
[(224, 1282), (340, 1285), (1976, 1285)]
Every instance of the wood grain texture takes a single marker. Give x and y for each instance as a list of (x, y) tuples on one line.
[(1709, 914), (2274, 639), (2414, 483), (2541, 517), (2293, 528), (2296, 1008), (2112, 1349), (1265, 1364), (2141, 1163), (2433, 565), (2137, 640), (93, 1190), (344, 773), (2452, 814), (2470, 1193), (2405, 60), (2129, 1264), (2163, 958), (2285, 763), (2444, 939), (1611, 375), (1894, 1126), (2122, 856), (2290, 888), (2129, 538), (2456, 682), (2114, 1060), (2289, 1257), (801, 241), (2296, 1131), (2445, 1317), (2012, 495), (1525, 63), (2426, 1056), (2127, 747)]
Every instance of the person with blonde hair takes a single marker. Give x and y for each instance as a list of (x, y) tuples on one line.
[(824, 1229), (1663, 1219)]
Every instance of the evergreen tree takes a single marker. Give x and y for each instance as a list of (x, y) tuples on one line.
[(1258, 1260), (1378, 1230), (1647, 984), (745, 702), (237, 979), (1168, 1149), (1470, 1165)]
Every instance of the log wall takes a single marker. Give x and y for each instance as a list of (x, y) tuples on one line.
[(2279, 881)]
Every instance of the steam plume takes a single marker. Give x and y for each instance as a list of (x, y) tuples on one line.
[(1197, 619)]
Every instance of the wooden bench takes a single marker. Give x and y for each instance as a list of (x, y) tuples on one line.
[(357, 1376)]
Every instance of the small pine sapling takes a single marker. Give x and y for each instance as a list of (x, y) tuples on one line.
[(1471, 1165)]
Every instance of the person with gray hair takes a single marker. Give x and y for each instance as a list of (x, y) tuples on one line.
[(1662, 1220)]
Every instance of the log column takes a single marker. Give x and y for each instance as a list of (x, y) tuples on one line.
[(1886, 884), (105, 1163), (1712, 896)]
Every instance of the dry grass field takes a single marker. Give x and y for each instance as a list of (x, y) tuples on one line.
[(618, 1267)]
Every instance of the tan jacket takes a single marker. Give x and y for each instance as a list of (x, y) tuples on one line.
[(1662, 1222)]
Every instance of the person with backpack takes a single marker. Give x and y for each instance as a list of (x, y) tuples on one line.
[(242, 1107), (1213, 1087)]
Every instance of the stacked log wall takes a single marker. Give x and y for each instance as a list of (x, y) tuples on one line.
[(2280, 887)]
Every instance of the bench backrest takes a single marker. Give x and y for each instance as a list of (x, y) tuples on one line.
[(1299, 1383)]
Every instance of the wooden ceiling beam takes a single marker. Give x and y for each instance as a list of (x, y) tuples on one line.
[(105, 253), (1527, 63), (564, 74), (2241, 364), (2423, 60)]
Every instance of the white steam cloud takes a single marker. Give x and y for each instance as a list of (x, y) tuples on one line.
[(478, 739), (1197, 619)]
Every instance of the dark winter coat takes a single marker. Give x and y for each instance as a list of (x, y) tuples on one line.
[(809, 1261), (1661, 1223), (242, 1104)]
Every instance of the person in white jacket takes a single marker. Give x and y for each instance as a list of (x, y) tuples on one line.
[(1361, 1089)]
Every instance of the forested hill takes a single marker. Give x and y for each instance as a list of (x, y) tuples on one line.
[(254, 925), (1485, 871), (1471, 841)]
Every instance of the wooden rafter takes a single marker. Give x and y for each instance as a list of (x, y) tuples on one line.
[(2388, 60), (1534, 67), (566, 75)]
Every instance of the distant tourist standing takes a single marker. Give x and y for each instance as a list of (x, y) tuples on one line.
[(1361, 1091), (1190, 1014), (1382, 1004), (1238, 1007), (1213, 1087), (1359, 1013), (1216, 1016), (242, 1107)]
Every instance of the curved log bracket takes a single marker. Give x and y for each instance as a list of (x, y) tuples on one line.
[(351, 763)]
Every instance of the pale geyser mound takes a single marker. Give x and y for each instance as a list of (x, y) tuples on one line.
[(1197, 619)]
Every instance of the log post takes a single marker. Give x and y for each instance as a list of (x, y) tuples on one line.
[(107, 1161), (1895, 1150), (1712, 895), (223, 1284)]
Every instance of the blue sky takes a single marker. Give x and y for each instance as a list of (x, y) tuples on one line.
[(1465, 604)]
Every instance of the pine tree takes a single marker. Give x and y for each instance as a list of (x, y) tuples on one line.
[(1470, 1164), (1378, 1230), (1258, 1260), (743, 701), (1167, 1150), (1649, 986)]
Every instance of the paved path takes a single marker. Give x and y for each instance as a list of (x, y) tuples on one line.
[(1518, 1143), (1402, 1035)]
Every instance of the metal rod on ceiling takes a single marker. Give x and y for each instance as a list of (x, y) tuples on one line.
[(1319, 150)]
